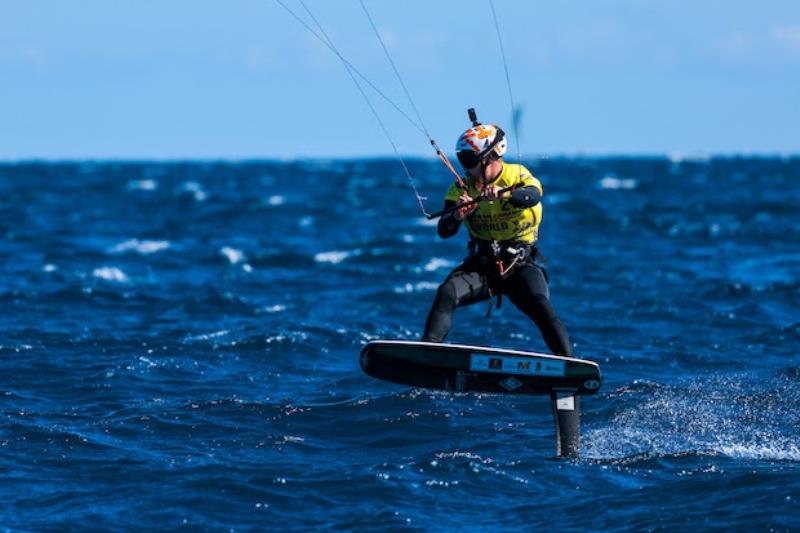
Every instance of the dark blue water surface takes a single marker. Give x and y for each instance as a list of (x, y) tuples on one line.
[(179, 347)]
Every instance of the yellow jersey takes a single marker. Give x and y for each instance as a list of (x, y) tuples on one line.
[(498, 219)]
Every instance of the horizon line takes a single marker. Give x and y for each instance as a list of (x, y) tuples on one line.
[(672, 156)]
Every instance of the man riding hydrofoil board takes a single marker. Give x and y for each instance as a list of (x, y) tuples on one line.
[(503, 226)]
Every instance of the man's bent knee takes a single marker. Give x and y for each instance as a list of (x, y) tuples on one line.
[(447, 294)]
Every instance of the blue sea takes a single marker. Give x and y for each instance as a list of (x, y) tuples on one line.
[(179, 349)]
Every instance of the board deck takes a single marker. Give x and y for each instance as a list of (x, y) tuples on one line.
[(464, 368)]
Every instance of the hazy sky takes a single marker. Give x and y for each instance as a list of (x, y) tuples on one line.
[(206, 79)]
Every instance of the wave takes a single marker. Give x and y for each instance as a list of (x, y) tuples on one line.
[(717, 415), (144, 247)]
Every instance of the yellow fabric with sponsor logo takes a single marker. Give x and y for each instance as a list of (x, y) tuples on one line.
[(498, 219)]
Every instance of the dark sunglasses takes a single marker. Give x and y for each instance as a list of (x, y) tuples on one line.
[(469, 159)]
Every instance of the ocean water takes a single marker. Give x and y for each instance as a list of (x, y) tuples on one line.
[(179, 348)]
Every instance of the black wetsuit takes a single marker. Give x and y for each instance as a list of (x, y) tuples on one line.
[(525, 285)]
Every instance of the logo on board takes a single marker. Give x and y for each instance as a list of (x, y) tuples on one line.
[(527, 366), (511, 384), (591, 384)]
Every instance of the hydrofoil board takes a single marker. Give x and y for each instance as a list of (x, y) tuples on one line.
[(464, 368)]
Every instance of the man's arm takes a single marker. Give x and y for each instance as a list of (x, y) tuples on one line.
[(448, 224), (525, 197)]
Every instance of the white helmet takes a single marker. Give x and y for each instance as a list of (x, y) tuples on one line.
[(479, 143)]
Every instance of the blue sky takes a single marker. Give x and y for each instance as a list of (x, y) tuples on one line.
[(242, 79)]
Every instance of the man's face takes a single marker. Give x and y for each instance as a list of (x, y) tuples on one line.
[(483, 173), (477, 173)]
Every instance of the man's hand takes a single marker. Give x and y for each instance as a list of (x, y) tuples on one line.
[(493, 192), (461, 213)]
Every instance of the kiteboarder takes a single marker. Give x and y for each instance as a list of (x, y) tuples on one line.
[(500, 203)]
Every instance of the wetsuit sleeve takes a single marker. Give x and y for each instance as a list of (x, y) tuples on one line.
[(448, 225)]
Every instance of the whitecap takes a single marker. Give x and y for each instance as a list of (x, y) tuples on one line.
[(196, 190), (291, 336), (436, 263), (19, 348), (49, 267), (306, 221), (142, 247), (110, 274), (335, 257), (233, 255), (208, 336), (148, 362), (611, 182), (416, 287), (710, 415), (143, 185), (763, 452), (276, 200)]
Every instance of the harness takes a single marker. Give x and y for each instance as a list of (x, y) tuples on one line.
[(498, 259)]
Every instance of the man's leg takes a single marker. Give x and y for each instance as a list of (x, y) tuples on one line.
[(527, 289), (460, 288)]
